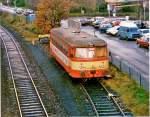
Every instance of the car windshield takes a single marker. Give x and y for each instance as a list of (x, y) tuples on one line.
[(145, 31), (91, 52), (133, 29)]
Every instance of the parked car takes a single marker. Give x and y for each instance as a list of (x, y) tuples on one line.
[(25, 13), (96, 23), (146, 24), (113, 31), (104, 26), (116, 22), (85, 21), (144, 31), (19, 10), (128, 30), (99, 18), (143, 41)]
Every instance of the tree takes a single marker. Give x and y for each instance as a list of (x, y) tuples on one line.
[(20, 3), (50, 13)]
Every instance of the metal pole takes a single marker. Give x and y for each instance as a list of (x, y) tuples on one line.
[(144, 6), (144, 13), (15, 3), (7, 2)]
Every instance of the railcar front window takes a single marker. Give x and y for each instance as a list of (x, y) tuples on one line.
[(85, 53), (91, 52)]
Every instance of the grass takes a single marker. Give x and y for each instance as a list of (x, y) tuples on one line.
[(28, 30), (134, 96)]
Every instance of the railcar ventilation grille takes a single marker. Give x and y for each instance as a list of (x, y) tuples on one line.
[(65, 27), (83, 36), (76, 32)]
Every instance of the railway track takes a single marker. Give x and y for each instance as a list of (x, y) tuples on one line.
[(28, 99), (102, 102)]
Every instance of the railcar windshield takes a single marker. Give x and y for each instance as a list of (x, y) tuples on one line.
[(91, 52)]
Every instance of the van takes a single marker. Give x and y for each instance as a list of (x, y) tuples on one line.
[(128, 30)]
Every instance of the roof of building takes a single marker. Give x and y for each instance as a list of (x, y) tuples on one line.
[(75, 39)]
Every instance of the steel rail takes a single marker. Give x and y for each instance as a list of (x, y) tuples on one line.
[(109, 94), (12, 77), (113, 100), (90, 100), (26, 70)]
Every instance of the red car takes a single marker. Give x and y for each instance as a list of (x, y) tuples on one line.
[(143, 41), (116, 23)]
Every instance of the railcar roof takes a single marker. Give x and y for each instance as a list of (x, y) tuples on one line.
[(81, 39)]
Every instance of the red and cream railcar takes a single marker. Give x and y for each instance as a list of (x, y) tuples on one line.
[(81, 55)]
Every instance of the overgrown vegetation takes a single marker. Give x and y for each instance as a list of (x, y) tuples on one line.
[(19, 23), (134, 96), (50, 14), (17, 3)]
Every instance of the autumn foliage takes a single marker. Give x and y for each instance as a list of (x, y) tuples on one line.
[(50, 13)]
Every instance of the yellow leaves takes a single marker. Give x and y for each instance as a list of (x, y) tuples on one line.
[(51, 12)]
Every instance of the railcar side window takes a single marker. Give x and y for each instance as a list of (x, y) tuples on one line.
[(101, 52)]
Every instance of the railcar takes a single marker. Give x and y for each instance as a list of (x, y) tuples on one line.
[(81, 55)]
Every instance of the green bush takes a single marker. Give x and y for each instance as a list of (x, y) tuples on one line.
[(102, 7), (127, 9), (20, 3)]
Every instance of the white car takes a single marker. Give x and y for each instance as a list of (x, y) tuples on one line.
[(144, 31), (113, 30)]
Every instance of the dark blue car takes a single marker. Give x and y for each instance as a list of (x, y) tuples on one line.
[(104, 27)]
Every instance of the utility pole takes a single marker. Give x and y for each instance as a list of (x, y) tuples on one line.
[(144, 6), (15, 3), (109, 8), (7, 2)]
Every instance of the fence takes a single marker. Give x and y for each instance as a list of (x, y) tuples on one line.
[(133, 72)]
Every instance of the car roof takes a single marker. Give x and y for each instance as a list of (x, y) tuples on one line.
[(143, 29), (147, 35), (127, 24)]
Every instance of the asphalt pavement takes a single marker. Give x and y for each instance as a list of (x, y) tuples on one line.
[(7, 9)]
